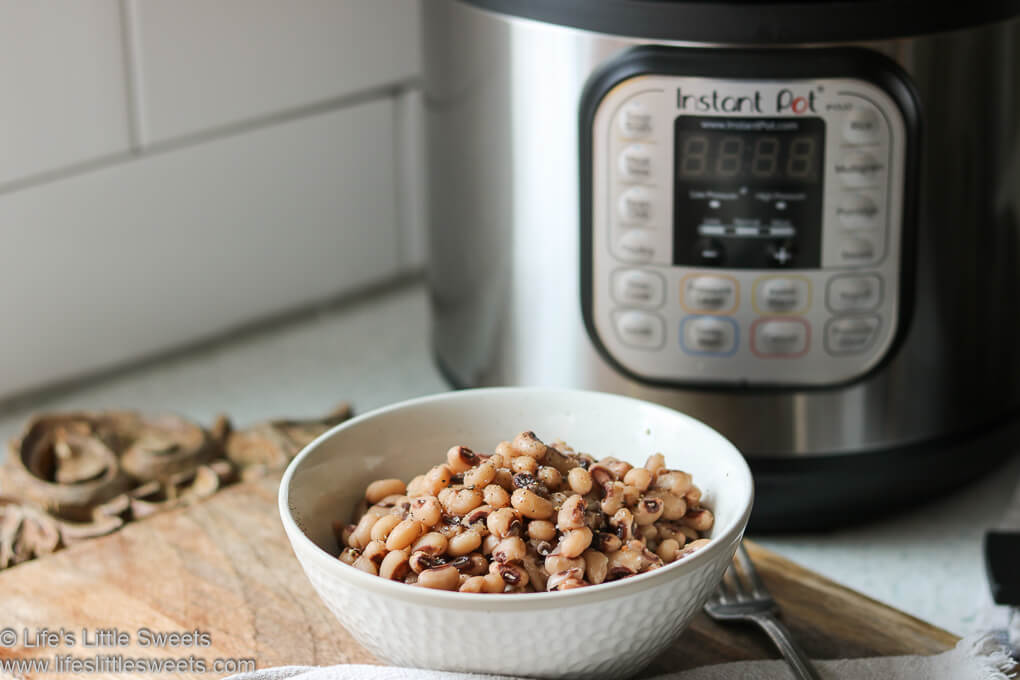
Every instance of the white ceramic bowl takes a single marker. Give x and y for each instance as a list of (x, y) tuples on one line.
[(610, 630)]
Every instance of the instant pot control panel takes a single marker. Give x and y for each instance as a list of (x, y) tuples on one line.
[(740, 229)]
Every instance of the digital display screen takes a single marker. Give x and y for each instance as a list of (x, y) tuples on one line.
[(748, 191)]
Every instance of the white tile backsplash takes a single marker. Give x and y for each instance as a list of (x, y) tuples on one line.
[(138, 257), (62, 78), (201, 65)]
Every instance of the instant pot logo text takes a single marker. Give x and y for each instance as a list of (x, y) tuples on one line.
[(786, 101)]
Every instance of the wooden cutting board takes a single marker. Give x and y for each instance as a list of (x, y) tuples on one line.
[(224, 568)]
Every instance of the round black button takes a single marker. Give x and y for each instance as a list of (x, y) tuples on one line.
[(781, 253), (710, 251)]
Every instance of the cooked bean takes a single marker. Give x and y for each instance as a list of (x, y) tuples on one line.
[(433, 543), (503, 522), (674, 481), (478, 515), (622, 522), (420, 561), (572, 513), (366, 565), (497, 460), (638, 477), (474, 584), (375, 551), (481, 476), (648, 510), (504, 450), (579, 480), (693, 546), (631, 495), (441, 578), (699, 519), (345, 534), (427, 510), (381, 488), (395, 565), (649, 534), (689, 533), (362, 533), (489, 544), (477, 565), (655, 463), (531, 504), (619, 468), (556, 563), (463, 501), (595, 566), (575, 542), (673, 507), (613, 500), (557, 580), (404, 534), (417, 487), (392, 500), (607, 542), (494, 583), (513, 574), (438, 478), (693, 496), (495, 496), (527, 444), (504, 478), (668, 550), (509, 549), (349, 555), (555, 458), (461, 458), (525, 464), (541, 530), (465, 543)]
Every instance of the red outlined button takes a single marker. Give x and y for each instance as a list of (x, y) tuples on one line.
[(780, 337)]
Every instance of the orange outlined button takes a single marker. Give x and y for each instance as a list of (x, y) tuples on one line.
[(709, 293), (788, 294)]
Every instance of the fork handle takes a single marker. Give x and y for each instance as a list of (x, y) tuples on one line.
[(794, 655)]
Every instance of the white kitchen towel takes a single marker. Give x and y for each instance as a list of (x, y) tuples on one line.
[(979, 657)]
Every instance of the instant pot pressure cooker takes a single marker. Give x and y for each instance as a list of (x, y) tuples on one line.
[(797, 222)]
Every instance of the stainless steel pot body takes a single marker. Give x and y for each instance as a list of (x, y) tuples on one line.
[(502, 98)]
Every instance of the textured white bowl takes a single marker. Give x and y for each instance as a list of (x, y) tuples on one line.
[(605, 631)]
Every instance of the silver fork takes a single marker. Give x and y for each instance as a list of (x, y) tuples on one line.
[(746, 599)]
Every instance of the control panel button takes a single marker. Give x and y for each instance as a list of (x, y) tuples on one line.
[(710, 252), (854, 293), (779, 337), (782, 295), (639, 329), (780, 253), (636, 245), (636, 120), (859, 170), (709, 293), (857, 211), (851, 336), (638, 288), (708, 335), (635, 205), (856, 250), (862, 125), (636, 162)]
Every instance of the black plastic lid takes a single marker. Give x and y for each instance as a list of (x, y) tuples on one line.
[(760, 23)]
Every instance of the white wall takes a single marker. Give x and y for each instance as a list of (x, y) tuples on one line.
[(170, 169)]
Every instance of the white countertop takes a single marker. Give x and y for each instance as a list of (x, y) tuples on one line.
[(375, 351)]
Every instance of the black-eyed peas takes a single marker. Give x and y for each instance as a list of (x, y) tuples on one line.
[(528, 517), (579, 480), (530, 504), (495, 496), (381, 488)]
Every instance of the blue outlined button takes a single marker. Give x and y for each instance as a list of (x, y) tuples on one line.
[(709, 335)]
